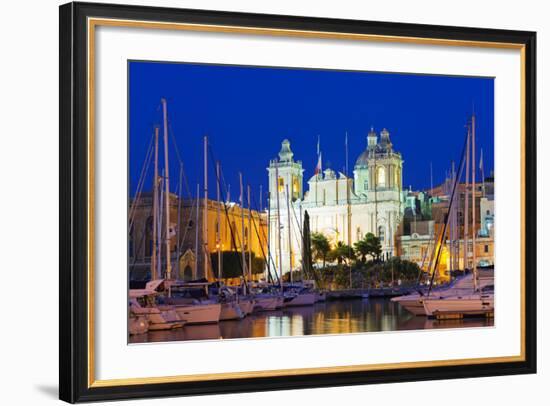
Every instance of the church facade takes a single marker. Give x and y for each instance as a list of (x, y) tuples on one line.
[(340, 207)]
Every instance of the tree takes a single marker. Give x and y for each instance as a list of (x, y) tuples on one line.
[(320, 247), (307, 263), (372, 246), (342, 253), (362, 249), (402, 269)]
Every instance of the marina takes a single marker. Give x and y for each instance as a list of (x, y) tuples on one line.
[(208, 268), (331, 317)]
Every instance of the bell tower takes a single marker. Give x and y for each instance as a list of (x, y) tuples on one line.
[(285, 172)]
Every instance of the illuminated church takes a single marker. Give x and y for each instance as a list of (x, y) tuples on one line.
[(342, 208)]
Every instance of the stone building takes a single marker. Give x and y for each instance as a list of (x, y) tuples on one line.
[(188, 259), (418, 232), (342, 208)]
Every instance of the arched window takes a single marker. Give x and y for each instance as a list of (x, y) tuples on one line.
[(381, 233), (381, 177), (281, 185)]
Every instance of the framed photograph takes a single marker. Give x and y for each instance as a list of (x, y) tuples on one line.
[(258, 202)]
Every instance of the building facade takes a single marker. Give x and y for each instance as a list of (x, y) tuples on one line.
[(188, 257), (421, 228), (340, 207)]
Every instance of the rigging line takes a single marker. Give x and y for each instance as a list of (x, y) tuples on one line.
[(178, 156), (185, 181), (266, 259), (141, 243), (189, 217), (461, 166), (223, 184), (187, 226), (141, 182), (265, 239), (432, 253)]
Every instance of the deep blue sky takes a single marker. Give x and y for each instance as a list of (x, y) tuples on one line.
[(248, 111)]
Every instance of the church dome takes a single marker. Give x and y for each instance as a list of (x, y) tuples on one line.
[(363, 159)]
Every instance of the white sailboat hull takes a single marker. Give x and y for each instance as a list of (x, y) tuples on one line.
[(199, 313), (415, 306), (266, 303), (246, 305), (138, 324), (302, 299), (459, 305), (320, 296), (231, 311), (157, 319)]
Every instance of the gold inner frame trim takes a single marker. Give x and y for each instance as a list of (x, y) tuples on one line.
[(94, 22)]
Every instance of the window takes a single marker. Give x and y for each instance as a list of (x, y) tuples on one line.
[(381, 233), (381, 177), (488, 212), (486, 248), (295, 185), (281, 184), (366, 185)]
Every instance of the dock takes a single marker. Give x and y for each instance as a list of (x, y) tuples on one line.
[(345, 294)]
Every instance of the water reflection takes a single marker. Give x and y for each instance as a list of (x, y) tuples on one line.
[(339, 317)]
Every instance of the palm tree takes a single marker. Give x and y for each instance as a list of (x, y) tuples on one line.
[(362, 249), (320, 247), (369, 245), (342, 252)]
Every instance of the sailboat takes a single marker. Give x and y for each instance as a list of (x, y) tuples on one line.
[(470, 294), (146, 315), (480, 300)]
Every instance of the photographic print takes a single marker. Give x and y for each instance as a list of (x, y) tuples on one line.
[(273, 202), (240, 192)]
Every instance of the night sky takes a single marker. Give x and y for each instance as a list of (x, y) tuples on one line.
[(248, 111)]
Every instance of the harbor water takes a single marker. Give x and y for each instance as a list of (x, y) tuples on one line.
[(331, 317)]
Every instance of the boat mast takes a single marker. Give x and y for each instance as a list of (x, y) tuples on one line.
[(178, 235), (279, 230), (245, 272), (249, 236), (474, 265), (159, 224), (197, 234), (453, 223), (205, 210), (467, 202), (289, 231), (154, 269), (167, 189), (268, 276), (218, 228)]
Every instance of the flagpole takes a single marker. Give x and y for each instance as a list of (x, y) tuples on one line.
[(482, 172), (347, 167)]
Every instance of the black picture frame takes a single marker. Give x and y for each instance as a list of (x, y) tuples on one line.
[(74, 200)]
